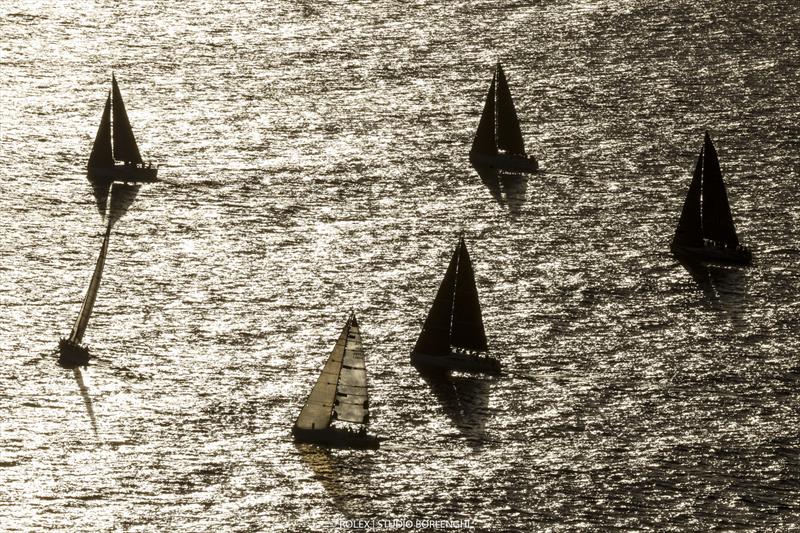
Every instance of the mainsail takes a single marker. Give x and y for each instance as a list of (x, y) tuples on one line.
[(484, 142), (88, 302), (717, 219), (125, 148), (467, 331), (352, 403), (509, 135), (101, 155), (455, 317), (341, 390)]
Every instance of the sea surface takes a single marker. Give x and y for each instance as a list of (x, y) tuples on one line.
[(313, 158)]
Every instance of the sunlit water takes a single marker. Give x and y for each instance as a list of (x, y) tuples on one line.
[(314, 160)]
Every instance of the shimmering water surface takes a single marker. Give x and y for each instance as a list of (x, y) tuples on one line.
[(314, 160)]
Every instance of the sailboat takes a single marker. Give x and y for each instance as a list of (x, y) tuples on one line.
[(115, 155), (71, 352), (498, 142), (453, 337), (339, 396), (705, 231)]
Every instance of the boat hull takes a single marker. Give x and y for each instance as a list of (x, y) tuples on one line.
[(507, 162), (71, 354), (336, 438), (124, 173), (461, 362), (713, 254)]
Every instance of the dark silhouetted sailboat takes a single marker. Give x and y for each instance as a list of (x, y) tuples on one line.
[(340, 395), (498, 142), (71, 352), (453, 337), (705, 231), (115, 155)]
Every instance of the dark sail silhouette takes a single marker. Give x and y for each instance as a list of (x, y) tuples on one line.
[(435, 336), (509, 134), (690, 225), (716, 212), (125, 148), (115, 154), (498, 140), (340, 394), (705, 230), (484, 142), (71, 351), (453, 336), (467, 331), (101, 150)]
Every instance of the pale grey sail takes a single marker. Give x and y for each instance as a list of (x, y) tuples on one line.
[(352, 403), (318, 410), (91, 295)]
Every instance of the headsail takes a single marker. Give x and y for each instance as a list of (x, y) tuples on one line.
[(435, 336), (101, 150), (467, 330), (88, 302), (689, 231), (319, 408), (125, 148), (509, 135), (717, 219), (484, 142)]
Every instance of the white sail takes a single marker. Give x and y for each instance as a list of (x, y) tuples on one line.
[(88, 302)]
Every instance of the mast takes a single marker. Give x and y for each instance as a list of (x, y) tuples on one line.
[(484, 142), (319, 407), (467, 330), (125, 148), (689, 231), (509, 135), (101, 155), (717, 220), (352, 402), (88, 302), (435, 336)]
